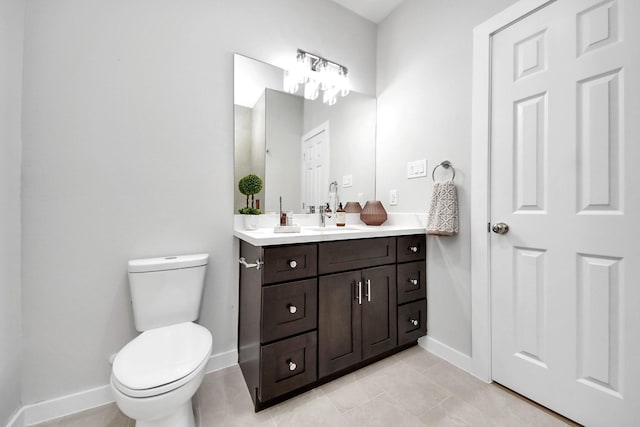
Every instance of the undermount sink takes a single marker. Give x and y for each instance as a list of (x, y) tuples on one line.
[(332, 228)]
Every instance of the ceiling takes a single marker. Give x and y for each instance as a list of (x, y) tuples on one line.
[(373, 10)]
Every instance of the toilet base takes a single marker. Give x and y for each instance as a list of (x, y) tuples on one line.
[(182, 417)]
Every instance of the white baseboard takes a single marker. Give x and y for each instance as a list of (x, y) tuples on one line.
[(17, 420), (222, 360), (447, 353), (67, 405), (81, 401)]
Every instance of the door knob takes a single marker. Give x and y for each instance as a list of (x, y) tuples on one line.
[(500, 228)]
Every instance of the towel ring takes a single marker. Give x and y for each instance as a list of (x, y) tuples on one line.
[(446, 164)]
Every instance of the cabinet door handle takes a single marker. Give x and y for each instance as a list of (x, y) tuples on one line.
[(292, 308), (292, 263), (369, 290), (414, 282), (360, 292), (414, 322), (414, 249), (292, 365)]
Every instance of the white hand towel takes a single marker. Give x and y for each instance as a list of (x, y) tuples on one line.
[(443, 212)]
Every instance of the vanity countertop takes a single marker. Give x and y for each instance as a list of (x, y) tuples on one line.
[(267, 237)]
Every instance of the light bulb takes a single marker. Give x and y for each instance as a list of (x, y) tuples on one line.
[(330, 96), (344, 82), (290, 82), (311, 91), (322, 74)]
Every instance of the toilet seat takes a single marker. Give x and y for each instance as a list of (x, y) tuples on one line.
[(160, 360)]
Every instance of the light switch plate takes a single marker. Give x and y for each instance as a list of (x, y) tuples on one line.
[(417, 169), (347, 181)]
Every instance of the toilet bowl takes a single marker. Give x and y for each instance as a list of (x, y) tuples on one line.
[(157, 373)]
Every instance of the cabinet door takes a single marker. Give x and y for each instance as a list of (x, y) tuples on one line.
[(339, 311), (379, 319)]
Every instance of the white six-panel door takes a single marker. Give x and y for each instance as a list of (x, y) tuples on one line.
[(565, 178), (315, 167)]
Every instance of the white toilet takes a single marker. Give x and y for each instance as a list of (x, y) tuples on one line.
[(155, 375)]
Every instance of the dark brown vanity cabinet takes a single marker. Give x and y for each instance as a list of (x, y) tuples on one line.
[(356, 317), (277, 337), (412, 288), (310, 312)]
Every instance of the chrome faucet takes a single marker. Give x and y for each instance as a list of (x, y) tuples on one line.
[(323, 216)]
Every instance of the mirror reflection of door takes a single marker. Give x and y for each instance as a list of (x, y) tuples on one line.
[(270, 126), (315, 169)]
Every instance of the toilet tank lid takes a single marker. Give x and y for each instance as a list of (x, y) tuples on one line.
[(167, 263)]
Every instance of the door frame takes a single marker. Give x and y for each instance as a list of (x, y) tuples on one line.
[(480, 181)]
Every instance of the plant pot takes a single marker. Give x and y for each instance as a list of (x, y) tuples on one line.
[(373, 213), (250, 222)]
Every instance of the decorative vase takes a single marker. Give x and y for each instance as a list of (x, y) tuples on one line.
[(250, 222), (352, 207), (373, 213)]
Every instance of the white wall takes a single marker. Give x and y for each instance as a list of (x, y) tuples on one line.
[(424, 112), (11, 30), (128, 152)]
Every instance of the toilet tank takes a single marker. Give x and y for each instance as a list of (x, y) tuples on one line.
[(166, 291)]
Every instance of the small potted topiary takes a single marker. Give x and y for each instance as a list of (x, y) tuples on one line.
[(250, 185)]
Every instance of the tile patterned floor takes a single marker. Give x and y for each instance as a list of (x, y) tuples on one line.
[(412, 388)]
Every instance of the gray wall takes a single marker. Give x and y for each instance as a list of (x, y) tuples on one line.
[(11, 30), (128, 152), (283, 131), (424, 112), (242, 151), (352, 132)]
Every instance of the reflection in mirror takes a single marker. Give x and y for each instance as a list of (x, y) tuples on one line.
[(300, 147)]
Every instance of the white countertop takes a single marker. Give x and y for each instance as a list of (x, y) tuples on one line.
[(396, 225)]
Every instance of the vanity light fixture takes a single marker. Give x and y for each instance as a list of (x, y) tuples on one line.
[(317, 74)]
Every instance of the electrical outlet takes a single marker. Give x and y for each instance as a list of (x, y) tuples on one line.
[(361, 199), (393, 197)]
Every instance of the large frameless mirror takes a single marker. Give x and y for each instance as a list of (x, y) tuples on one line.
[(306, 152)]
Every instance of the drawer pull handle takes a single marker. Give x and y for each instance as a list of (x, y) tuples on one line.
[(369, 290), (360, 292), (292, 365), (414, 282), (414, 249), (292, 308), (414, 322), (293, 263), (257, 264)]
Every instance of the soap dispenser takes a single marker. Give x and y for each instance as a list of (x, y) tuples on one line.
[(341, 216)]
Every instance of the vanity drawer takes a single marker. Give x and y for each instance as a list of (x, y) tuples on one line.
[(412, 281), (412, 321), (287, 365), (344, 255), (289, 309), (293, 262), (412, 248)]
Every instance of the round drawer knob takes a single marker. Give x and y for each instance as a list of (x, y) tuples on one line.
[(414, 282), (292, 365), (413, 249), (292, 308), (414, 322), (293, 263)]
